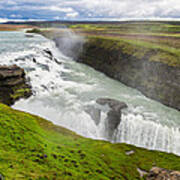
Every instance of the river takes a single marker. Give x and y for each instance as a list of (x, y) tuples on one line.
[(63, 89)]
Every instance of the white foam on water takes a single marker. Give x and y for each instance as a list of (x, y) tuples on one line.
[(63, 88)]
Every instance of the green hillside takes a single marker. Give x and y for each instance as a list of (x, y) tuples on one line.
[(33, 148)]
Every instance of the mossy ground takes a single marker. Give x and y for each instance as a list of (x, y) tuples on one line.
[(20, 92), (15, 93), (33, 148)]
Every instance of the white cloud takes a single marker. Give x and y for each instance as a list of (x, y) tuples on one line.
[(56, 8), (15, 16), (3, 20), (72, 15), (129, 8), (113, 9), (11, 2)]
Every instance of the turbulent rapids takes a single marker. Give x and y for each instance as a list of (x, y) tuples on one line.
[(63, 90)]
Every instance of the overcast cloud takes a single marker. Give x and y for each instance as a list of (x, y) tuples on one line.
[(89, 9)]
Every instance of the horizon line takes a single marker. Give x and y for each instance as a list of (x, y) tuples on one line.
[(4, 20)]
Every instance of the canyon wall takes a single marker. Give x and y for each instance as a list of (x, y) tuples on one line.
[(145, 69)]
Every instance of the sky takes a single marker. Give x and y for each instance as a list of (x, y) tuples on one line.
[(88, 9)]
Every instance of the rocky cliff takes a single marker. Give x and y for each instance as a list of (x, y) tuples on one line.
[(151, 70), (13, 85)]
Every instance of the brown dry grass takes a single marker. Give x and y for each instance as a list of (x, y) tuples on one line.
[(157, 39), (9, 27)]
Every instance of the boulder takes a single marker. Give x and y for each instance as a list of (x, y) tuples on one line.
[(13, 84), (47, 51), (7, 72), (159, 174)]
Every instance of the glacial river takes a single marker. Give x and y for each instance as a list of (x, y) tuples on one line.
[(63, 88)]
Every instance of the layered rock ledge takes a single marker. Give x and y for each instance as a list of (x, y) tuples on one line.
[(13, 84)]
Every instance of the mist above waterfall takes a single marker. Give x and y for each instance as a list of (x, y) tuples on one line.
[(69, 42)]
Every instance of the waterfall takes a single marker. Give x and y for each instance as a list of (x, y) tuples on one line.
[(63, 89), (135, 129)]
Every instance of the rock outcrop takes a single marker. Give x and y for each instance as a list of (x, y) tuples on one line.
[(112, 108), (13, 85), (115, 105), (134, 67), (162, 174), (113, 115)]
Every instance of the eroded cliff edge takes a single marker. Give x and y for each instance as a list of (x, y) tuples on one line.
[(153, 71), (13, 84)]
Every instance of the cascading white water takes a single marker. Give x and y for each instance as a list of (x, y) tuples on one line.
[(138, 130), (64, 88)]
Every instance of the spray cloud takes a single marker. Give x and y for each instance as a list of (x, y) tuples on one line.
[(69, 42)]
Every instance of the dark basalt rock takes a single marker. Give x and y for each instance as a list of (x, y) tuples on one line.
[(112, 108), (48, 52), (10, 72), (13, 84), (113, 115), (115, 105)]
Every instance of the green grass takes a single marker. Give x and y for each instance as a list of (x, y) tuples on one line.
[(35, 30), (33, 148), (144, 27), (19, 93)]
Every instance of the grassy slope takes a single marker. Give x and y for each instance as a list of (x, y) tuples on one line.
[(139, 28), (33, 148)]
